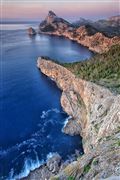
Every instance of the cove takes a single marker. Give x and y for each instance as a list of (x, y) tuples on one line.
[(30, 110)]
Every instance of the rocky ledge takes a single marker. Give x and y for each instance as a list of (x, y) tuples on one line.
[(95, 113)]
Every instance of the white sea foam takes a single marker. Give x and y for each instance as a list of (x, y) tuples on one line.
[(66, 121), (29, 165), (17, 146), (51, 154), (46, 113)]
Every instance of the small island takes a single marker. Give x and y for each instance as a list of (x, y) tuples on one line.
[(31, 31)]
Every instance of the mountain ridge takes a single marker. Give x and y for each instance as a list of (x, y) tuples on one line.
[(86, 35), (52, 22)]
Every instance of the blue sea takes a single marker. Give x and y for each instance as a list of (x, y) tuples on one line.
[(31, 117)]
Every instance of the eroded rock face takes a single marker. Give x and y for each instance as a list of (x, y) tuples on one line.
[(31, 31), (72, 128), (97, 113), (53, 163)]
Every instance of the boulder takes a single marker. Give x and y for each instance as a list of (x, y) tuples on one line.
[(53, 163)]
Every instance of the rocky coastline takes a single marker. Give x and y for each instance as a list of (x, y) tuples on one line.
[(96, 111), (85, 35), (98, 43)]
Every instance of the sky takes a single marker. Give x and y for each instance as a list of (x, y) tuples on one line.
[(36, 10)]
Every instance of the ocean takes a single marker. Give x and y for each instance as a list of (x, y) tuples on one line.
[(31, 117)]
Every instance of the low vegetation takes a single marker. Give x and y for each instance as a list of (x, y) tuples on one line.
[(103, 69), (70, 178), (86, 169)]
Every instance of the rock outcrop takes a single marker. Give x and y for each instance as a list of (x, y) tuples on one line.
[(31, 31), (96, 111), (46, 170), (53, 23), (86, 35)]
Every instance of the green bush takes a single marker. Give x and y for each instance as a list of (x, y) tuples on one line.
[(70, 178), (86, 169)]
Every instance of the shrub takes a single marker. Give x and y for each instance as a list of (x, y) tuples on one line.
[(103, 69), (70, 178)]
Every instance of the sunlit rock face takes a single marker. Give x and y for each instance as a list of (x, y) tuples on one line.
[(96, 113)]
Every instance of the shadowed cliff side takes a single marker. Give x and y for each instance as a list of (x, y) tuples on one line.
[(96, 111)]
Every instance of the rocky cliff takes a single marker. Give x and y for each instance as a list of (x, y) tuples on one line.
[(95, 113), (86, 35), (53, 23)]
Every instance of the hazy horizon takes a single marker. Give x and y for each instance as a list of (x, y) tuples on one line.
[(28, 10)]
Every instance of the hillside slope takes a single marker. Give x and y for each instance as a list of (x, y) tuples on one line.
[(103, 69)]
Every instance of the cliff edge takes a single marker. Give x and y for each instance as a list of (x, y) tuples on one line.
[(95, 113)]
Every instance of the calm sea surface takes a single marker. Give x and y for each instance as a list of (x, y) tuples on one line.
[(31, 117)]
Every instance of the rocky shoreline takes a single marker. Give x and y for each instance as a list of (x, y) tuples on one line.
[(52, 167), (96, 111), (85, 35), (97, 43)]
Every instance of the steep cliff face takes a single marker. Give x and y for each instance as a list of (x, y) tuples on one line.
[(96, 111)]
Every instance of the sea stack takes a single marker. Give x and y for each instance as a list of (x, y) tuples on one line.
[(31, 31)]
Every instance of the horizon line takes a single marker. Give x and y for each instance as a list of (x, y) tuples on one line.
[(60, 1), (37, 20)]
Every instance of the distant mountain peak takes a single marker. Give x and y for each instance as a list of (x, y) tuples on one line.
[(51, 17), (81, 22), (53, 23), (51, 13)]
